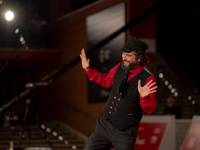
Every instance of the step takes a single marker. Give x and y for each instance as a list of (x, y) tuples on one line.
[(69, 140)]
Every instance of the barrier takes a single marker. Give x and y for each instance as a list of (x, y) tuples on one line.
[(192, 140), (156, 133), (182, 126)]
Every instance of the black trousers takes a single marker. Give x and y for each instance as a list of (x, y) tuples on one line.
[(106, 134)]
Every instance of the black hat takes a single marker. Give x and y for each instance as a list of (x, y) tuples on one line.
[(134, 44)]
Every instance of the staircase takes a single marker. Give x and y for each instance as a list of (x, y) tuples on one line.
[(61, 136), (187, 95)]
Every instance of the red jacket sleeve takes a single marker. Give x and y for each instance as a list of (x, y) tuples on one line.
[(104, 80), (149, 102)]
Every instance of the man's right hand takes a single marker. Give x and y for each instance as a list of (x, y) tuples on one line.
[(85, 62)]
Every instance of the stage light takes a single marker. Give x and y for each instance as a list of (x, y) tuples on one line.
[(55, 133), (166, 82), (160, 75), (21, 39), (193, 102), (189, 98), (170, 86), (176, 94), (172, 90), (16, 31), (1, 1), (74, 147), (9, 16), (48, 129), (23, 42), (66, 142), (60, 138), (43, 126)]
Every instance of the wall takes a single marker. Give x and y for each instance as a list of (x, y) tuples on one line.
[(71, 86), (147, 28)]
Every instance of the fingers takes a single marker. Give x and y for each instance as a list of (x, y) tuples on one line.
[(139, 83), (83, 52), (83, 55), (153, 88), (152, 84), (80, 56), (152, 91), (149, 83)]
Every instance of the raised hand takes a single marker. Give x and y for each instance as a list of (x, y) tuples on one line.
[(146, 89), (85, 62)]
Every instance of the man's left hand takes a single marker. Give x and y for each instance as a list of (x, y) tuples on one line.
[(146, 89)]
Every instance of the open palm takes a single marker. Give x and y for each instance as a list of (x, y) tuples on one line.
[(85, 62), (146, 89)]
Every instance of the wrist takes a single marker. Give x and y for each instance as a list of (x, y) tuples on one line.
[(86, 69), (142, 96)]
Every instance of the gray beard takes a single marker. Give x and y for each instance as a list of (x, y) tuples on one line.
[(129, 67)]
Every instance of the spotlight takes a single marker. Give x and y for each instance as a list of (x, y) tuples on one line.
[(48, 129), (55, 133), (189, 98), (66, 142), (1, 1), (193, 102), (74, 147), (43, 126), (166, 82), (60, 138), (23, 42), (160, 75), (9, 16), (21, 39), (16, 31), (176, 94), (173, 90), (170, 86)]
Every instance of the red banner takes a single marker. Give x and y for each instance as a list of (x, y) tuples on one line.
[(150, 136), (192, 141)]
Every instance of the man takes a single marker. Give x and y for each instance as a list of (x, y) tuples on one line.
[(133, 90), (172, 109)]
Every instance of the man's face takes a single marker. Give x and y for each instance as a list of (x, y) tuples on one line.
[(129, 61)]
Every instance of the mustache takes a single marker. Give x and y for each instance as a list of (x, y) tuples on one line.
[(129, 66), (125, 61)]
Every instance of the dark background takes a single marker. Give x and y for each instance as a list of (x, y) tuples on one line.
[(178, 34), (177, 28)]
